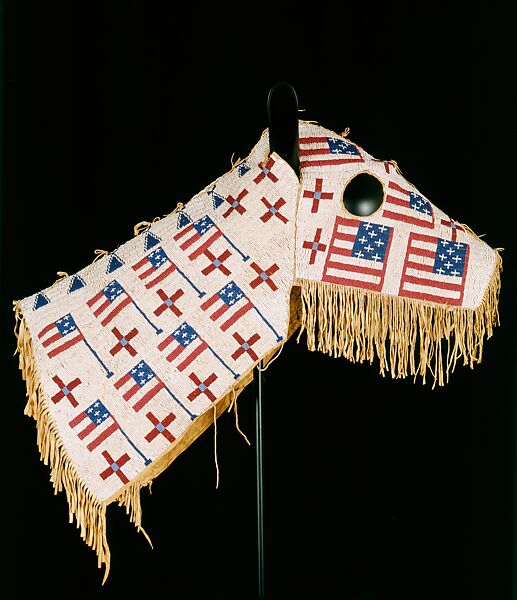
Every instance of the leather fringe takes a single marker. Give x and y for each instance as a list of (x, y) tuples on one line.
[(88, 512), (408, 337)]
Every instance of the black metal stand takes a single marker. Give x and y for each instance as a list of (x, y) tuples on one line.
[(258, 382), (282, 109)]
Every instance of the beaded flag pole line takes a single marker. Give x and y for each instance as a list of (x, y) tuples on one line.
[(132, 358)]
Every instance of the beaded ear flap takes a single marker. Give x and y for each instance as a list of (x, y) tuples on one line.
[(133, 357)]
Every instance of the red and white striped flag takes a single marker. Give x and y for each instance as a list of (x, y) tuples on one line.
[(434, 269), (60, 335), (107, 303), (154, 267), (227, 302), (198, 236), (327, 151), (358, 253), (407, 206), (97, 424), (183, 341)]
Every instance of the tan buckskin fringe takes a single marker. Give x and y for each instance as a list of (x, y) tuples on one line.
[(89, 512), (405, 335)]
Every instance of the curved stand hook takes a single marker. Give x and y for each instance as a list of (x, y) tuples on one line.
[(282, 112)]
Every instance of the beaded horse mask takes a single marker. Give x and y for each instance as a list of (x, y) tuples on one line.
[(130, 359)]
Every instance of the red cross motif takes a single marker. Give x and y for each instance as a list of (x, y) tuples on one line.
[(273, 209), (453, 225), (216, 263), (169, 302), (65, 390), (317, 195), (235, 204), (266, 172), (115, 466), (202, 387), (123, 341), (315, 246), (245, 346), (264, 275), (160, 427)]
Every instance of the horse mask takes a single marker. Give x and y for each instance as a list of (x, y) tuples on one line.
[(130, 359)]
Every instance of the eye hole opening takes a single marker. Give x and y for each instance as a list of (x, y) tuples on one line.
[(363, 195)]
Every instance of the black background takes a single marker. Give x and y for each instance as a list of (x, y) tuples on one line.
[(374, 489)]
